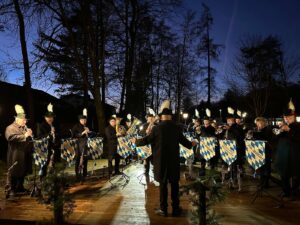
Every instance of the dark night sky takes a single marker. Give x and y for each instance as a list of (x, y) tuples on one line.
[(232, 20)]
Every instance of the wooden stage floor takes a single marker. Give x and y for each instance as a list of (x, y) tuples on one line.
[(98, 202)]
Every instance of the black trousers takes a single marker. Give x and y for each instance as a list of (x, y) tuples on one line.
[(147, 164), (288, 188), (163, 189), (17, 184), (117, 158), (265, 173)]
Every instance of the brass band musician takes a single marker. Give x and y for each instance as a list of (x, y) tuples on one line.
[(81, 132), (19, 150), (46, 129), (288, 154)]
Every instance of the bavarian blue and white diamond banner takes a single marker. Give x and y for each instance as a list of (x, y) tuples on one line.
[(143, 151), (68, 149), (95, 147), (40, 151), (185, 152), (207, 147), (255, 153), (125, 146), (228, 151)]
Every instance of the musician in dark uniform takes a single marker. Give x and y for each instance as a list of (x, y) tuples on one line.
[(288, 153), (234, 132), (195, 122), (111, 144), (165, 139), (263, 132), (19, 151), (46, 129), (238, 119), (207, 130), (81, 132), (147, 128)]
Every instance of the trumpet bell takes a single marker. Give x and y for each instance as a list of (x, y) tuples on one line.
[(276, 131)]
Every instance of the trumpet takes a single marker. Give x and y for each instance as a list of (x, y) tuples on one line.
[(220, 129), (249, 135), (31, 136), (198, 129), (277, 131)]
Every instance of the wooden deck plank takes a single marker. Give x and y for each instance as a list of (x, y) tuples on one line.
[(97, 203)]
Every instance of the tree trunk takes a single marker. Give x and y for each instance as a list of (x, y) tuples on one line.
[(158, 76), (27, 83), (130, 60), (208, 66), (124, 79)]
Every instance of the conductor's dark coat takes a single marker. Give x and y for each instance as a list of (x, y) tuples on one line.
[(111, 141), (165, 139), (19, 149)]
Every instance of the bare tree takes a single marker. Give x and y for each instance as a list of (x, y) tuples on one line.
[(15, 9), (256, 69), (207, 50), (3, 75)]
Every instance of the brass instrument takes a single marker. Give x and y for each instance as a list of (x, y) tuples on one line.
[(198, 130), (30, 137), (134, 126), (120, 130), (220, 129), (249, 135), (279, 130)]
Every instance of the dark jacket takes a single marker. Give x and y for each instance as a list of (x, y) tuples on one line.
[(19, 149), (236, 133), (82, 138), (111, 141), (44, 131), (288, 152), (208, 131), (267, 135), (165, 139)]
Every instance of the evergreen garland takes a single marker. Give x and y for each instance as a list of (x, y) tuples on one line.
[(53, 192), (204, 192)]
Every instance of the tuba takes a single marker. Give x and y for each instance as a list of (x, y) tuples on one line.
[(120, 130), (134, 128)]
